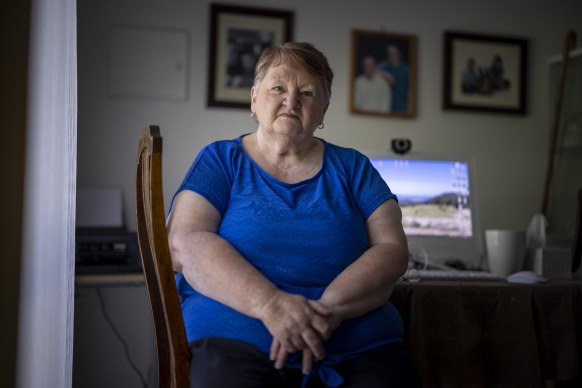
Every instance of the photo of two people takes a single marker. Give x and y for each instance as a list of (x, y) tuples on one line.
[(383, 74)]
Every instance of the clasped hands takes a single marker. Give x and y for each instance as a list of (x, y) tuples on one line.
[(297, 323)]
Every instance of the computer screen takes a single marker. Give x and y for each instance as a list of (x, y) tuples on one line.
[(438, 203)]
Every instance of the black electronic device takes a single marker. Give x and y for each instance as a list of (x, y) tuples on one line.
[(105, 250), (401, 146)]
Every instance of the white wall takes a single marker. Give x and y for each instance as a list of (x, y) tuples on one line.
[(510, 151)]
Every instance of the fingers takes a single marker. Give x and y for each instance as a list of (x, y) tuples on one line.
[(325, 322), (291, 345), (322, 327), (297, 323), (319, 308), (281, 358), (275, 347), (289, 318), (307, 362), (314, 344), (279, 355), (328, 319)]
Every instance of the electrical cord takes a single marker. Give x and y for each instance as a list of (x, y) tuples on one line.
[(120, 338), (417, 252)]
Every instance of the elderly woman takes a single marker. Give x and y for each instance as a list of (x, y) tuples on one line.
[(287, 247)]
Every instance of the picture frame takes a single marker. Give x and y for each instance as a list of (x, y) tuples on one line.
[(383, 74), (238, 35), (484, 73)]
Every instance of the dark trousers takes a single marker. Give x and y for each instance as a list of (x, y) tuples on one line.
[(222, 363)]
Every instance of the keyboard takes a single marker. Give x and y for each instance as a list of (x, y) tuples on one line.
[(413, 275)]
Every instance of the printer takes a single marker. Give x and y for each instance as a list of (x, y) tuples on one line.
[(103, 245)]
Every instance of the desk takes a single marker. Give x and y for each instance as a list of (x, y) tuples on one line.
[(490, 334), (121, 279)]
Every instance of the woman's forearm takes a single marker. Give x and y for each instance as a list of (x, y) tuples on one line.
[(367, 283), (215, 269)]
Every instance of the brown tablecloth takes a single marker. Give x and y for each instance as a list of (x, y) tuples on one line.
[(488, 334)]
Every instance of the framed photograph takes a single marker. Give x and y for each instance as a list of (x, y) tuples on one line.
[(383, 79), (484, 73), (238, 35)]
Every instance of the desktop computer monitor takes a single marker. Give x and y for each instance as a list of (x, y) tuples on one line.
[(439, 208)]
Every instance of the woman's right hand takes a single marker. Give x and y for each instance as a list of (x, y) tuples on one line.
[(295, 323)]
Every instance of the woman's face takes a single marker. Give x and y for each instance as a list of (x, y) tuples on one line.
[(288, 101)]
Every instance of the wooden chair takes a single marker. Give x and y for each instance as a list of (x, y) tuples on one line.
[(172, 347)]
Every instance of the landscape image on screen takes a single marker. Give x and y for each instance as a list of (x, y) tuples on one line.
[(434, 195)]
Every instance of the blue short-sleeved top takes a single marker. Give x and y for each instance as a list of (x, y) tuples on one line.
[(300, 236)]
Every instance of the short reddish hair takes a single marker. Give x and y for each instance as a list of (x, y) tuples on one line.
[(296, 54)]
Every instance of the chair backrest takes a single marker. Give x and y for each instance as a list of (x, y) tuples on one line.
[(172, 347)]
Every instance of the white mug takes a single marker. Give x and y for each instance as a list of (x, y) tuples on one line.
[(505, 251)]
